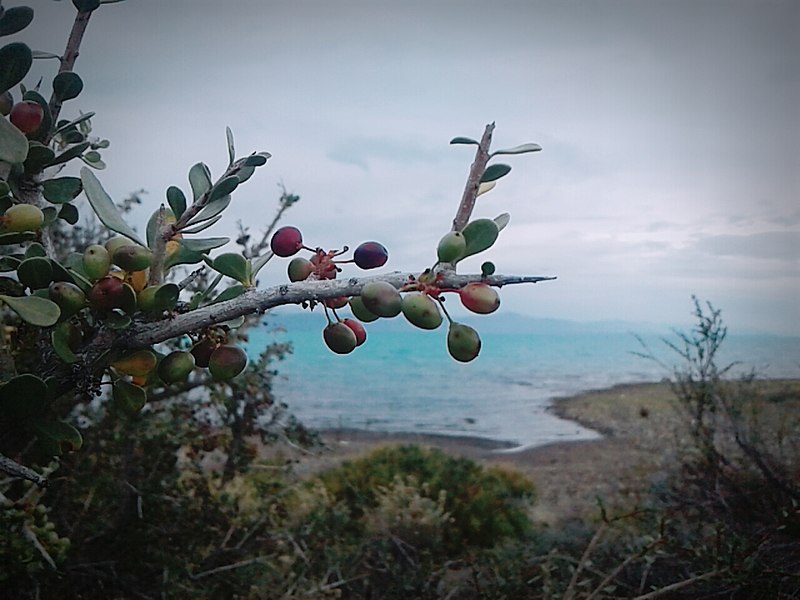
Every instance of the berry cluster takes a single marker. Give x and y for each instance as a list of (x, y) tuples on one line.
[(420, 300)]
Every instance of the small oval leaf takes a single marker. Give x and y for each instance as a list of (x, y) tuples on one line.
[(104, 206), (480, 235), (176, 200), (464, 140), (67, 85), (521, 149), (128, 397), (13, 143), (199, 180), (233, 265), (229, 294), (204, 244), (40, 312), (502, 220), (64, 435), (15, 19), (231, 147), (35, 272), (494, 172), (62, 189), (223, 188), (23, 397), (15, 62)]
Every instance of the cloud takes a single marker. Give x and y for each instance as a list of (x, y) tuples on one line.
[(771, 245), (361, 151)]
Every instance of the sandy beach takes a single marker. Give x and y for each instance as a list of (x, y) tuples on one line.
[(569, 476), (639, 424)]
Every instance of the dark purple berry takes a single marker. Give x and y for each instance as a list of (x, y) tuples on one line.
[(370, 255)]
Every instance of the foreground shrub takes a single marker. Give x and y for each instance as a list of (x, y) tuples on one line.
[(485, 504)]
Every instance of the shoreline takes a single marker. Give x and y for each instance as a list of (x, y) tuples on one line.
[(638, 423)]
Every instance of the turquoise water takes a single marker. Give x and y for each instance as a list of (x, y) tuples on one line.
[(404, 380)]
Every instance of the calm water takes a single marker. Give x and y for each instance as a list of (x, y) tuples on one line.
[(404, 380)]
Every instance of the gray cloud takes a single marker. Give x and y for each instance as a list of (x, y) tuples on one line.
[(772, 245)]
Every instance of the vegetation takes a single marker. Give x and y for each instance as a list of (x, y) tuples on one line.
[(131, 422)]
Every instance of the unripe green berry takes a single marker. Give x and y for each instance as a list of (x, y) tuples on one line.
[(23, 217)]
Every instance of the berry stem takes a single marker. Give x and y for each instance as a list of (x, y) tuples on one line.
[(444, 310)]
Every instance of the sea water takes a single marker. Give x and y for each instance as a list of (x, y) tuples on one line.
[(403, 379)]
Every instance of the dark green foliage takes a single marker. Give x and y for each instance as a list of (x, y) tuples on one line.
[(486, 504)]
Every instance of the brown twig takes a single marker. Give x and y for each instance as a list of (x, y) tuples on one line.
[(15, 469), (473, 180), (71, 53)]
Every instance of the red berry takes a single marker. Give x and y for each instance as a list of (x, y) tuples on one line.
[(107, 293), (358, 329), (27, 116), (370, 255), (479, 298), (286, 241)]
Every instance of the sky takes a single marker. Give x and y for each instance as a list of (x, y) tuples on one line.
[(670, 134)]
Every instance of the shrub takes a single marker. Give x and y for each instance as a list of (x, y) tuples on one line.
[(485, 504)]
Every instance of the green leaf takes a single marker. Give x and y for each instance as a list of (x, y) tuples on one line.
[(13, 143), (9, 263), (128, 398), (62, 189), (93, 160), (60, 273), (15, 19), (69, 213), (36, 311), (60, 338), (63, 126), (230, 293), (39, 156), (23, 397), (231, 148), (223, 188), (211, 210), (202, 226), (521, 149), (501, 221), (50, 215), (16, 238), (64, 435), (257, 160), (203, 245), (464, 140), (182, 257), (166, 296), (15, 62), (176, 200), (494, 172), (67, 85), (41, 54), (35, 272), (70, 153), (35, 249), (233, 265), (104, 206), (199, 180), (480, 235)]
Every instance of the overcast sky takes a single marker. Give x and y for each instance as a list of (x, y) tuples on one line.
[(671, 134)]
